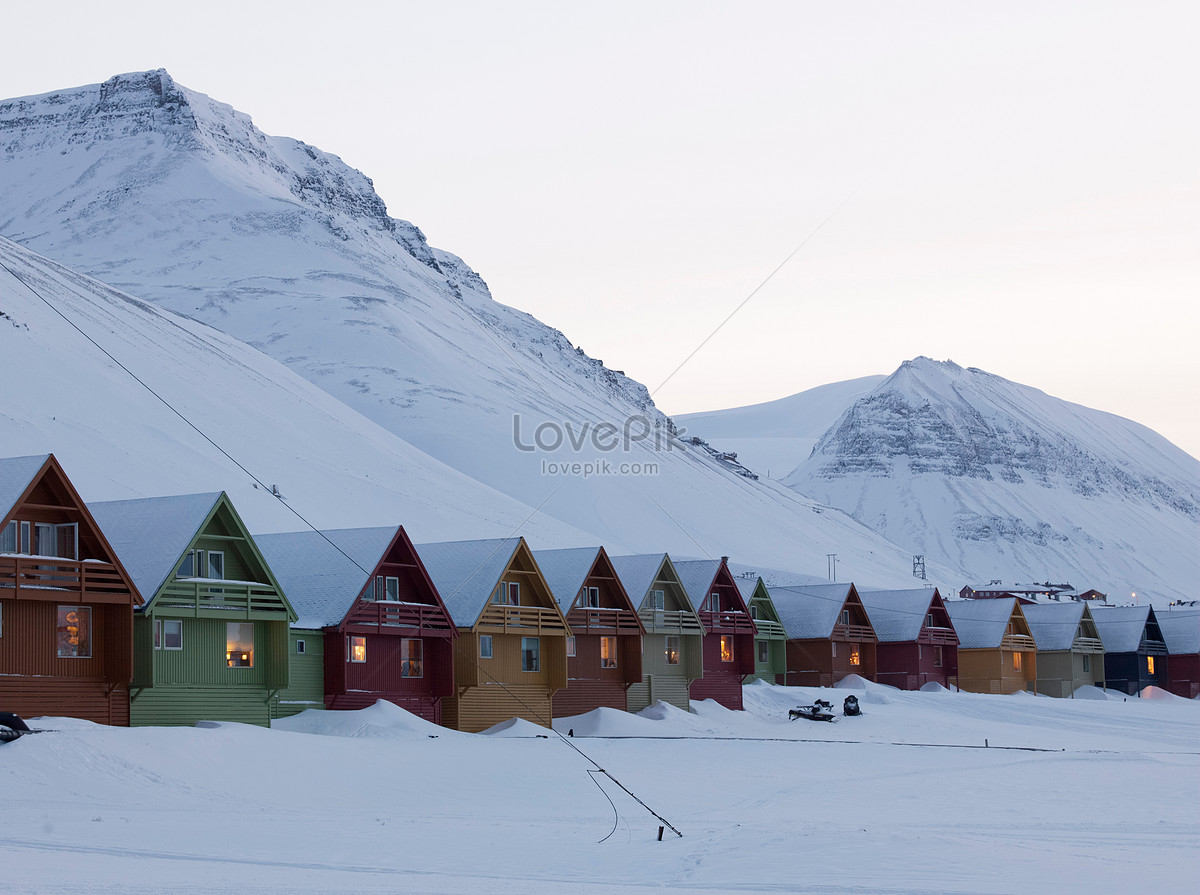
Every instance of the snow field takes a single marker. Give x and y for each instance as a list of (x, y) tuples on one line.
[(378, 801)]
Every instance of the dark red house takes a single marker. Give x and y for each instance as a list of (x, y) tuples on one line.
[(728, 630), (916, 641), (604, 649), (1181, 633), (66, 602), (829, 634), (386, 632)]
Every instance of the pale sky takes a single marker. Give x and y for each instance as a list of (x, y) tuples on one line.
[(1015, 183)]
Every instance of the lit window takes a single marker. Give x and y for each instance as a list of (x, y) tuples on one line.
[(168, 633), (531, 659), (855, 655), (764, 652), (571, 646), (356, 649), (608, 652), (657, 600), (239, 644), (411, 656), (74, 632), (1149, 664), (726, 647), (672, 649), (937, 657), (1016, 661), (485, 646)]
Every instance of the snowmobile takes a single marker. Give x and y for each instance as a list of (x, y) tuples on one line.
[(818, 711), (850, 706), (13, 726)]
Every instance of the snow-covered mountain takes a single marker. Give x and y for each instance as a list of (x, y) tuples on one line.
[(178, 199), (773, 437), (1005, 481)]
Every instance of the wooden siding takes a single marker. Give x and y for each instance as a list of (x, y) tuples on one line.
[(478, 708), (910, 665), (722, 681), (185, 705), (28, 643), (1184, 675), (505, 665), (821, 663), (306, 674), (991, 670), (1060, 673), (1129, 672), (87, 698), (356, 684), (668, 683), (582, 696)]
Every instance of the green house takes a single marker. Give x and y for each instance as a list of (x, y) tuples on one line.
[(212, 640), (770, 643)]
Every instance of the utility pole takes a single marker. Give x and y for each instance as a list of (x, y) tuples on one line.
[(831, 563)]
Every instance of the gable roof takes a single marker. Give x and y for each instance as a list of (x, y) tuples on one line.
[(321, 583), (898, 615), (697, 576), (1121, 627), (467, 572), (1180, 630), (981, 624), (1054, 625), (16, 475), (638, 572), (566, 571), (810, 612)]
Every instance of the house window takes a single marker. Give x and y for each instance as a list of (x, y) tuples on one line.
[(508, 593), (833, 649), (672, 648), (1149, 664), (570, 646), (714, 602), (929, 620), (845, 616), (531, 657), (216, 564), (8, 538), (855, 655), (485, 646), (412, 656), (56, 540), (239, 644), (74, 632), (1, 619), (754, 612), (1087, 664), (937, 657), (356, 649), (657, 600), (192, 565), (608, 652), (299, 647), (764, 652), (391, 589), (593, 597), (726, 646), (1016, 661), (168, 633)]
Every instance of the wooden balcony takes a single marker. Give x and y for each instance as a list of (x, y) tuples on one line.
[(668, 621), (853, 633), (1087, 645), (501, 619), (1018, 643), (938, 636), (770, 630), (727, 622), (603, 621), (61, 580), (392, 617), (193, 597)]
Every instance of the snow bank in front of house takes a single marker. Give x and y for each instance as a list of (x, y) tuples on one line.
[(606, 722), (1153, 692), (383, 719), (1087, 691), (516, 727), (934, 687)]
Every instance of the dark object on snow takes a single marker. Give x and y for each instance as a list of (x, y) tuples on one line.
[(850, 706), (11, 727), (818, 711)]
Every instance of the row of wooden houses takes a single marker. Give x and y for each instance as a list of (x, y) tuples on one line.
[(167, 610)]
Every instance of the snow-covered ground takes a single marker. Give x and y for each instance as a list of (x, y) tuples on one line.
[(1080, 795)]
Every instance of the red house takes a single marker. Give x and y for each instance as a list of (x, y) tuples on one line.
[(829, 634), (729, 630), (66, 602), (1181, 633), (387, 634), (916, 640), (604, 650)]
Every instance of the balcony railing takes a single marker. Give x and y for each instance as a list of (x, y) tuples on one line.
[(727, 622), (49, 578), (1087, 645), (670, 621), (1019, 642), (941, 636), (427, 618), (193, 596), (861, 633), (501, 618), (770, 629), (620, 621)]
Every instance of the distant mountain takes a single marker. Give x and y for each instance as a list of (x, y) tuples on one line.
[(774, 437), (178, 199), (1008, 482)]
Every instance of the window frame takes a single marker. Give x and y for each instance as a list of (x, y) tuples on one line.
[(388, 592), (208, 569), (229, 660), (352, 642), (764, 651), (63, 623), (160, 634), (658, 600), (490, 652), (407, 661), (609, 642), (300, 648), (570, 646), (591, 597), (667, 651), (726, 648), (536, 652)]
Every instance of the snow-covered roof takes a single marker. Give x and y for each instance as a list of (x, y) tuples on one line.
[(1180, 630), (638, 573), (809, 612), (1121, 627), (150, 534), (15, 475), (697, 576), (897, 615), (747, 587), (466, 572), (321, 583), (1053, 625), (565, 571), (981, 624)]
